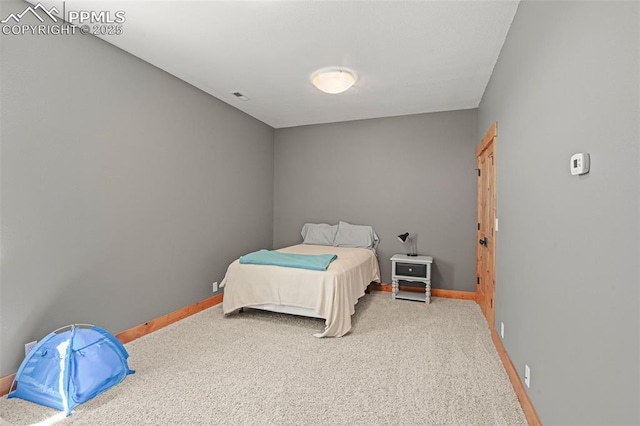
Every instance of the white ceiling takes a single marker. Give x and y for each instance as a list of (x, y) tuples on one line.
[(411, 56)]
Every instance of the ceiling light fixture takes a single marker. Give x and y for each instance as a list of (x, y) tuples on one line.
[(334, 80)]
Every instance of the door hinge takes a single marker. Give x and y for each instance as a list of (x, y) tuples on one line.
[(478, 226), (477, 280), (478, 170)]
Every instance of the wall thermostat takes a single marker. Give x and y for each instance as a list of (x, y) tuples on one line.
[(580, 163)]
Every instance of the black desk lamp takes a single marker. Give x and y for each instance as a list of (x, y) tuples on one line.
[(406, 239)]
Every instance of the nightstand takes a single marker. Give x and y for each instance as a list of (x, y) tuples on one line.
[(414, 269)]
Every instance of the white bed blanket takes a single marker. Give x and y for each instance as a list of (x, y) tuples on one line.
[(331, 294)]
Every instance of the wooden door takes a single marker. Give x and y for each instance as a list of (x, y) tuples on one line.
[(486, 248)]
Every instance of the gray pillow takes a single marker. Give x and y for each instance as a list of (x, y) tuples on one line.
[(320, 234), (356, 236)]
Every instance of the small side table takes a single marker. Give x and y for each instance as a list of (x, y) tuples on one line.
[(411, 268)]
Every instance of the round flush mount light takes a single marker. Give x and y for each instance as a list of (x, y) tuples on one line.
[(334, 80)]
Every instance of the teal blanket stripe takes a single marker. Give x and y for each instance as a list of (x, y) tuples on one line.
[(315, 262)]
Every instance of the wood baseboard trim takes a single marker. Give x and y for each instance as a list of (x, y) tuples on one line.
[(163, 321), (435, 292), (141, 330), (518, 387), (5, 384)]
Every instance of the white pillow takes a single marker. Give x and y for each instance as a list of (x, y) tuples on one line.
[(356, 236), (321, 234)]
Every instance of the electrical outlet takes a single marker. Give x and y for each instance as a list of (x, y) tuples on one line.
[(502, 330), (527, 376), (215, 286), (29, 346)]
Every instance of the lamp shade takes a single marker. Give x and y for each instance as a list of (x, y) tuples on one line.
[(333, 81), (403, 237)]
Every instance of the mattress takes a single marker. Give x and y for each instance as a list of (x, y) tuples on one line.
[(331, 294)]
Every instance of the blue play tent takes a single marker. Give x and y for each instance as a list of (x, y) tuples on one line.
[(70, 366)]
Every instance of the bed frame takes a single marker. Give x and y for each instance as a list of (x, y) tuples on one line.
[(285, 309)]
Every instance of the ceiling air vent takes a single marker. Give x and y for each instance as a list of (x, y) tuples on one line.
[(240, 96)]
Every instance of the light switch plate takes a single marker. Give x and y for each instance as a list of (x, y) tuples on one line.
[(28, 347)]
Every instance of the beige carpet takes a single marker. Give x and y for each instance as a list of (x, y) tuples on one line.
[(403, 363)]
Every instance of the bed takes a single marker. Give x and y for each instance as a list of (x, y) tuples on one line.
[(330, 295)]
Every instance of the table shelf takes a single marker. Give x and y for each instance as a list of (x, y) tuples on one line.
[(411, 295)]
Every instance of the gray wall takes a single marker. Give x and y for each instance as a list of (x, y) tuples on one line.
[(124, 192), (567, 250), (411, 173)]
